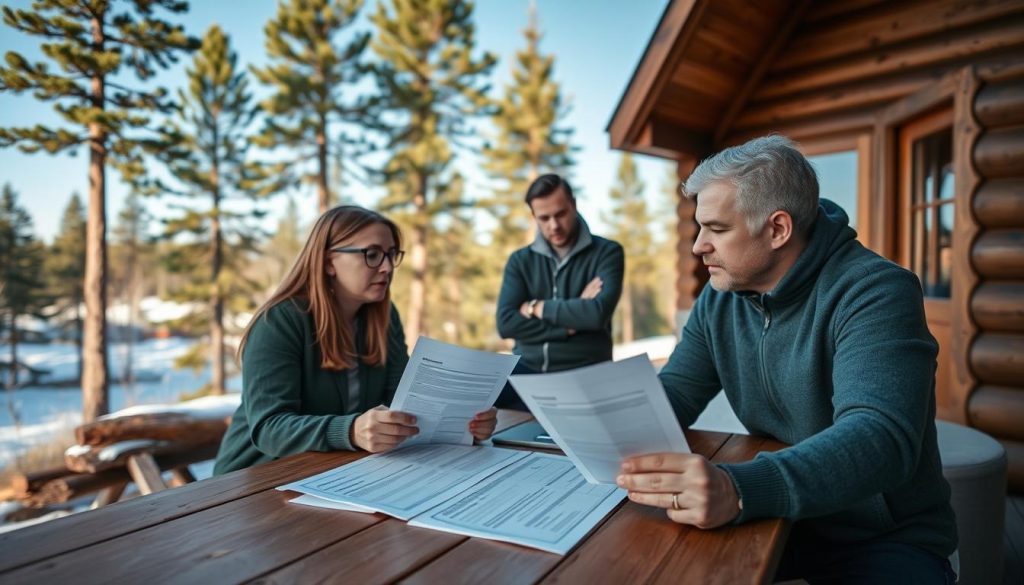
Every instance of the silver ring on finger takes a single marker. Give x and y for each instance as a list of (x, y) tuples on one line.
[(675, 501)]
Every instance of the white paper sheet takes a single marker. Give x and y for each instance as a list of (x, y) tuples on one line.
[(540, 501), (444, 385), (308, 500), (599, 415), (410, 480)]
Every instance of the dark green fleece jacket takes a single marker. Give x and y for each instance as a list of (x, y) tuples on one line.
[(289, 403), (838, 362), (535, 272)]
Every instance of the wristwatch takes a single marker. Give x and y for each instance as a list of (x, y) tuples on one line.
[(529, 307)]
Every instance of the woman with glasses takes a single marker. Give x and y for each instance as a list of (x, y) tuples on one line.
[(322, 358)]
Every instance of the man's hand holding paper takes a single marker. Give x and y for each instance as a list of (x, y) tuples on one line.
[(601, 414)]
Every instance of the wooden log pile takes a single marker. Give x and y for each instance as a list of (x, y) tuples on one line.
[(116, 451)]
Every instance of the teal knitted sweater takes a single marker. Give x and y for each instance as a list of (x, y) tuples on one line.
[(838, 362)]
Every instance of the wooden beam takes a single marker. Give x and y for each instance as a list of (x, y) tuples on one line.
[(162, 426), (963, 328), (998, 358), (782, 36), (998, 410), (181, 476), (673, 140), (892, 23), (871, 92), (999, 203), (999, 254), (1000, 153), (691, 274), (145, 473), (673, 34), (836, 8), (109, 495), (1001, 104), (845, 123), (1003, 34), (999, 306)]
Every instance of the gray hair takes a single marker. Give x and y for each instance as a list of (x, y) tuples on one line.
[(770, 174)]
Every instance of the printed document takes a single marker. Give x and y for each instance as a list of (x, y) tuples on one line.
[(601, 414), (444, 385), (407, 481), (540, 501)]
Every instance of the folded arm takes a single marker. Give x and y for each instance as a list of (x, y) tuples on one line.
[(582, 314), (511, 323)]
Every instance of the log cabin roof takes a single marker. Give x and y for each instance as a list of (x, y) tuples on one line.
[(718, 72)]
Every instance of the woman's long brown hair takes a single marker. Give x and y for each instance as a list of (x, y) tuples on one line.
[(308, 280)]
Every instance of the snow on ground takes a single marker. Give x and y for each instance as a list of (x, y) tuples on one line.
[(37, 415)]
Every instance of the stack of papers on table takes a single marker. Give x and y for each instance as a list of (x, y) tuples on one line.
[(538, 500)]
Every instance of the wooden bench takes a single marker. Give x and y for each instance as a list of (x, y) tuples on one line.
[(128, 448)]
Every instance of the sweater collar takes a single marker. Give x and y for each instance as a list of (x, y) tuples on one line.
[(831, 231), (583, 239)]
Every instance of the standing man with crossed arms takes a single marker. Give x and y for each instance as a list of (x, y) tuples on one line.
[(558, 294)]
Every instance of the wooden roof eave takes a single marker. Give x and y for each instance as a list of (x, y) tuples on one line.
[(630, 125)]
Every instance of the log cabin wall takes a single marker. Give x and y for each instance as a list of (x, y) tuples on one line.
[(846, 59), (825, 72), (996, 356)]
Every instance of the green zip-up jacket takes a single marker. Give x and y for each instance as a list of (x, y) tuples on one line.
[(535, 272), (838, 362), (289, 403)]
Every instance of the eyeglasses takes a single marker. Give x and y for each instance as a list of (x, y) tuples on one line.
[(375, 255)]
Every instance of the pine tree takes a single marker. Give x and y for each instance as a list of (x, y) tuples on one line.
[(94, 45), (431, 86), (637, 313), (284, 246), (21, 262), (131, 254), (529, 142), (65, 268), (205, 147), (309, 74)]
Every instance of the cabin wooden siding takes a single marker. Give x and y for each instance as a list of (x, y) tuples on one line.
[(996, 354), (837, 75)]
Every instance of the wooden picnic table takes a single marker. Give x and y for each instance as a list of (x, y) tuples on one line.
[(237, 527)]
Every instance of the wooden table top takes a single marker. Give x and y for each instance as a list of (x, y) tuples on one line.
[(237, 527)]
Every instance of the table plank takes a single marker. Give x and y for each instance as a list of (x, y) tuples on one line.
[(41, 541), (233, 542), (748, 553), (476, 560), (485, 561), (380, 554), (631, 544)]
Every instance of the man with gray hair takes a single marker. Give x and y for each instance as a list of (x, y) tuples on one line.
[(823, 345)]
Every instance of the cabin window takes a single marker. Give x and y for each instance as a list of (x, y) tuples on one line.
[(931, 211), (837, 180)]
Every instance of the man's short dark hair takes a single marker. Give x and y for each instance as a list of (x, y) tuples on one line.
[(545, 185)]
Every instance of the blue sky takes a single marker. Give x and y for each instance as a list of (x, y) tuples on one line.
[(597, 45)]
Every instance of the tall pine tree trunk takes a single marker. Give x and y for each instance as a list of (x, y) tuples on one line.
[(454, 290), (95, 400), (128, 376), (418, 288), (321, 157), (626, 306), (216, 299), (79, 334), (12, 381)]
